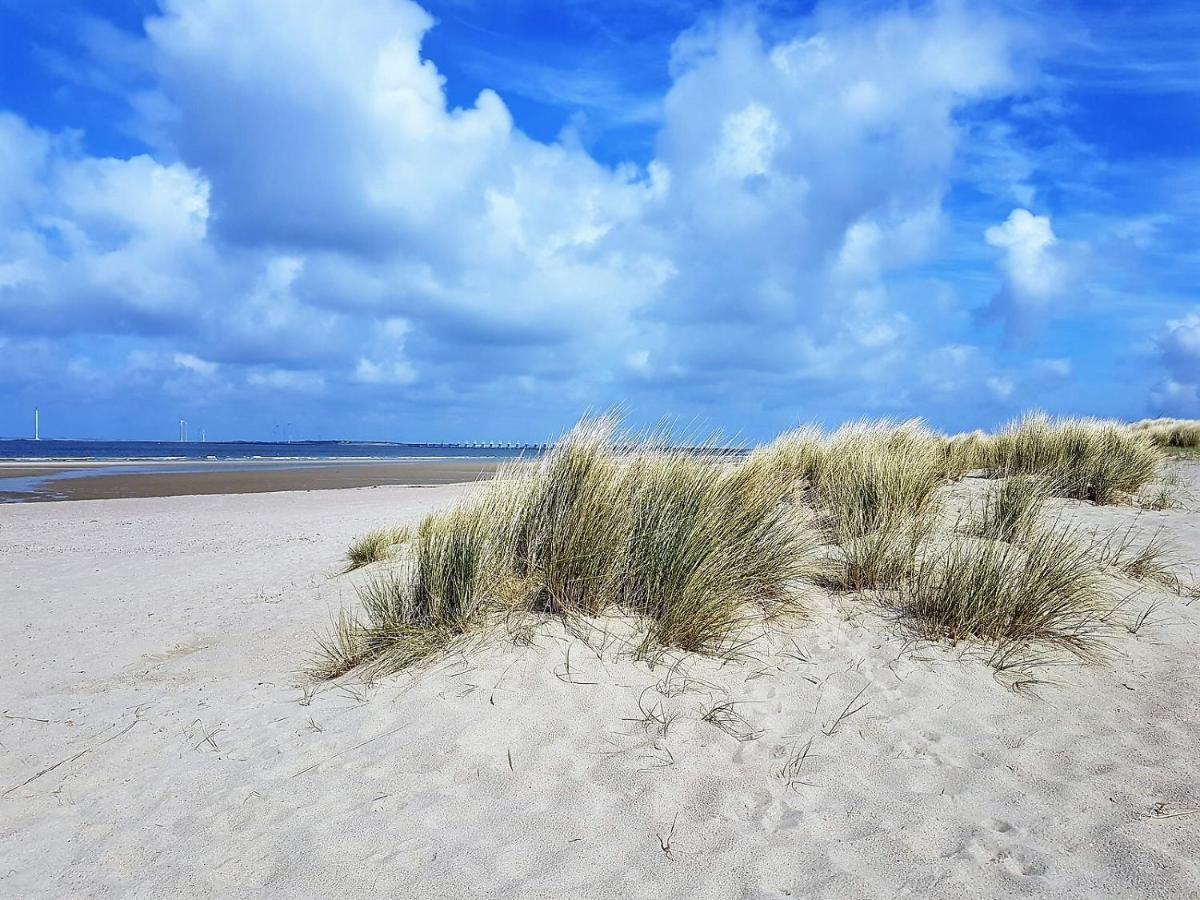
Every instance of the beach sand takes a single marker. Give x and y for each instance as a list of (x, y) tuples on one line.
[(158, 741), (104, 481)]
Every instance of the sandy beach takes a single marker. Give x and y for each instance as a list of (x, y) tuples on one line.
[(160, 740)]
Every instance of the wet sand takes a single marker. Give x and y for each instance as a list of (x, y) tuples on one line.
[(106, 481)]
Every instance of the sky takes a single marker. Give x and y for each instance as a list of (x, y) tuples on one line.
[(469, 220)]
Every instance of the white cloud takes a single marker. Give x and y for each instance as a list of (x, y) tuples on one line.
[(396, 372), (1178, 349), (284, 380), (194, 364), (1037, 270), (1028, 241), (748, 142), (314, 211)]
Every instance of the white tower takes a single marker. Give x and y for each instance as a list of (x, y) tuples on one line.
[(37, 429)]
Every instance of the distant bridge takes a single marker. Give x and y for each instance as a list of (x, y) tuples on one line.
[(479, 445)]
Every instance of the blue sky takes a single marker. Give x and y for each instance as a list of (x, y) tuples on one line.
[(471, 220)]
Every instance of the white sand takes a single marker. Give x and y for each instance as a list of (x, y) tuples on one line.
[(150, 651)]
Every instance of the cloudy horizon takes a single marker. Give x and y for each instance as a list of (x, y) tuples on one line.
[(459, 221)]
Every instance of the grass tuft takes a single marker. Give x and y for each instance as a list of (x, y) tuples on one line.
[(1010, 509), (701, 546), (1177, 433), (1142, 560), (878, 477), (696, 544), (1047, 591), (1089, 459), (374, 546)]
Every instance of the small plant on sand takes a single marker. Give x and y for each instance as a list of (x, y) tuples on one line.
[(1046, 591), (1089, 459), (706, 550), (1152, 559), (564, 524), (1010, 509), (374, 546), (878, 476), (795, 455), (416, 609), (878, 560), (875, 499), (695, 544)]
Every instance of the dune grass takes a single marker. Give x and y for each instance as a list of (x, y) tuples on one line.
[(795, 456), (702, 547), (965, 453), (696, 545), (875, 498), (1011, 508), (1174, 433), (1153, 559), (707, 550), (879, 560), (416, 608), (1089, 459), (564, 523), (374, 546), (1047, 590), (877, 476)]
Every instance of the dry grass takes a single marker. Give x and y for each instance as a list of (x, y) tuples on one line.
[(562, 525), (1047, 591), (702, 547), (1181, 433), (414, 610), (708, 550), (876, 561), (1010, 510), (1154, 559), (796, 455), (965, 453), (878, 476), (1088, 459), (374, 546), (875, 497), (697, 545)]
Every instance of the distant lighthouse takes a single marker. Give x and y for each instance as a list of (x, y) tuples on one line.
[(37, 429)]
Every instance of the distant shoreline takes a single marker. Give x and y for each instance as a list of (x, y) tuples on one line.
[(26, 481)]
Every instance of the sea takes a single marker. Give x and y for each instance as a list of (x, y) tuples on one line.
[(148, 457), (84, 450)]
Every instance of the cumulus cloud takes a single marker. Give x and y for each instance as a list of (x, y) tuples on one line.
[(311, 210), (1178, 351), (1035, 268)]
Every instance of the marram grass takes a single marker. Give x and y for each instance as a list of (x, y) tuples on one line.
[(1047, 590), (1088, 459), (704, 546), (1011, 508), (1177, 433), (374, 546), (696, 546)]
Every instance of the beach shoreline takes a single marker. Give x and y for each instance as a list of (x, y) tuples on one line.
[(22, 482)]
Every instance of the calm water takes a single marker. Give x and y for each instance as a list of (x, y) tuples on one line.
[(244, 450)]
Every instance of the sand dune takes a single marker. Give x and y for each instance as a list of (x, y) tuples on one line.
[(158, 740)]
